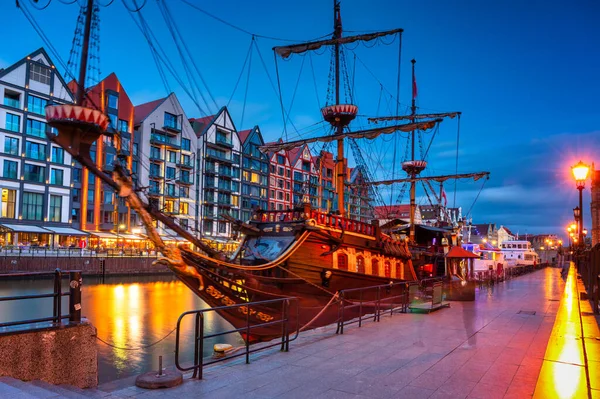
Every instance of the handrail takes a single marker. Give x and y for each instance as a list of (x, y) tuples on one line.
[(74, 295), (49, 252), (245, 308), (384, 299)]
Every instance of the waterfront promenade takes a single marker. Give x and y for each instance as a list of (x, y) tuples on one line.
[(494, 347)]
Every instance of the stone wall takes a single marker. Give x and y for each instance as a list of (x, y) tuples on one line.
[(91, 265), (66, 355)]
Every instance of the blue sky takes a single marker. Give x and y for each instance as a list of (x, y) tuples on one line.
[(524, 74)]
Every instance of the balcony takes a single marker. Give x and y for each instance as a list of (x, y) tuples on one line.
[(165, 140), (225, 188), (171, 194), (183, 164), (223, 142), (218, 157), (156, 158), (210, 199), (175, 128), (154, 192), (184, 181)]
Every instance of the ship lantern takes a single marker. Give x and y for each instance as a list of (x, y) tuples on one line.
[(79, 127), (340, 114), (414, 167)]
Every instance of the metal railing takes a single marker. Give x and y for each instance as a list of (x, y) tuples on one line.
[(90, 252), (381, 299), (246, 308), (74, 295), (589, 270)]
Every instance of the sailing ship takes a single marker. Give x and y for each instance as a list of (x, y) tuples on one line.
[(301, 253)]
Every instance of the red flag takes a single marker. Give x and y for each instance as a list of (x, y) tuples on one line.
[(444, 195), (414, 87)]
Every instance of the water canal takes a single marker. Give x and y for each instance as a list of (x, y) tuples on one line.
[(128, 311)]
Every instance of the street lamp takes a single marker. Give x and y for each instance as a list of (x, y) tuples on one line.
[(580, 173), (119, 228)]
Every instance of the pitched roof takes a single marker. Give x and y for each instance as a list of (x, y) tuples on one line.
[(294, 154), (244, 135), (142, 111)]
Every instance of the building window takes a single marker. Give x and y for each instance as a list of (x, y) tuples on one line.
[(12, 99), (360, 264), (184, 208), (76, 175), (222, 227), (170, 173), (342, 261), (170, 190), (33, 206), (58, 155), (11, 145), (76, 193), (184, 192), (171, 121), (172, 156), (113, 101), (36, 105), (34, 173), (90, 195), (154, 170), (123, 126), (10, 169), (114, 120), (35, 150), (9, 198), (108, 197), (13, 122), (56, 176), (90, 216), (169, 206), (155, 153), (135, 148), (74, 215), (387, 268), (40, 73), (185, 144), (55, 208), (36, 128)]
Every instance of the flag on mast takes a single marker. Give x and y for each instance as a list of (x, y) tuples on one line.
[(414, 87), (444, 197)]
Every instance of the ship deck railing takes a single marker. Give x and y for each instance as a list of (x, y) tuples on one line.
[(253, 313), (322, 219), (49, 252), (357, 305)]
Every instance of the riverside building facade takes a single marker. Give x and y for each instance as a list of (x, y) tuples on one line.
[(35, 174), (218, 174), (255, 173), (164, 161)]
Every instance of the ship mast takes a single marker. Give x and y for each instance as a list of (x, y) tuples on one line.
[(340, 166), (413, 204)]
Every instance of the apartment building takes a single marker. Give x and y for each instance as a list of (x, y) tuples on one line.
[(280, 181), (35, 174), (255, 173)]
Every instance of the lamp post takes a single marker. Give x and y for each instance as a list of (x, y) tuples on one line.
[(580, 173), (119, 228)]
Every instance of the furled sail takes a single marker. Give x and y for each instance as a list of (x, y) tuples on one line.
[(440, 179), (417, 116), (286, 51), (368, 134)]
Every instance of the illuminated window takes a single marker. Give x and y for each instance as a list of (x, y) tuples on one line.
[(399, 273), (375, 267), (360, 264), (169, 206), (8, 203), (342, 261), (184, 208), (387, 268)]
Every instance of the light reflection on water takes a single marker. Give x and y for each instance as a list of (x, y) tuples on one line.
[(127, 312)]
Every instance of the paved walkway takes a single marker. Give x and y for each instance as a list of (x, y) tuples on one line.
[(491, 348)]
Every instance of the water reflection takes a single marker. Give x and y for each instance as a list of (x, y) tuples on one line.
[(128, 312)]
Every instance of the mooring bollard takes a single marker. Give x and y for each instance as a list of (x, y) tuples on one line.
[(75, 282), (152, 380), (160, 366)]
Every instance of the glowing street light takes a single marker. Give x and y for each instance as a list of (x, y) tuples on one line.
[(580, 173)]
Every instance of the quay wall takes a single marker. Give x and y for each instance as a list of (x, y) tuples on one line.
[(64, 355), (88, 265)]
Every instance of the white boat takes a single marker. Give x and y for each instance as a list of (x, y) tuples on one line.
[(519, 253), (490, 259)]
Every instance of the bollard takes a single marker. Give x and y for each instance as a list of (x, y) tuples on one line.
[(75, 282), (160, 367)]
